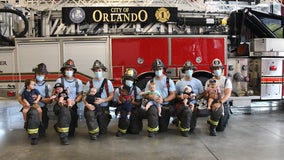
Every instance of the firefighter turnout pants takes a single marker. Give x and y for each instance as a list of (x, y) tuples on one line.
[(133, 125), (184, 115), (45, 120), (156, 123), (92, 122), (63, 122), (33, 123), (103, 117)]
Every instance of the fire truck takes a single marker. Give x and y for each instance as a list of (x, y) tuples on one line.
[(247, 36)]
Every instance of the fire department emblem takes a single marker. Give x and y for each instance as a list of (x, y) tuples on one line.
[(162, 15), (77, 15)]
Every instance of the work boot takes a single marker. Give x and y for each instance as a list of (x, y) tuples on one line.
[(93, 137), (151, 134), (184, 133), (212, 130), (119, 134), (64, 141), (34, 141)]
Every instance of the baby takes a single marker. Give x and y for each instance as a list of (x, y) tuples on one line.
[(149, 103), (62, 95), (31, 97), (124, 101), (191, 100), (91, 98), (213, 94)]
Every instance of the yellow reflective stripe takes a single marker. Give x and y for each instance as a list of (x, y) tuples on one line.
[(63, 130), (182, 129), (215, 123), (94, 130), (153, 129), (122, 130), (33, 131)]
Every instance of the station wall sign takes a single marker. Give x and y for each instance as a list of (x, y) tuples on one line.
[(77, 15)]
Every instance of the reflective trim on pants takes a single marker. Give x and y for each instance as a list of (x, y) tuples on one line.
[(182, 129), (94, 131), (153, 129), (215, 123), (33, 131), (122, 130), (63, 130)]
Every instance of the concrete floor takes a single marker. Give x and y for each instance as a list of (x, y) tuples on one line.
[(248, 137)]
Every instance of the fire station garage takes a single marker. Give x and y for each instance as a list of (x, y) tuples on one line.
[(141, 79)]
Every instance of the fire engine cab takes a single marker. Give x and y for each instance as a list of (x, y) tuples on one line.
[(247, 36)]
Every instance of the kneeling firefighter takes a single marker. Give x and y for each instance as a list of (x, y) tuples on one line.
[(98, 117), (218, 118), (67, 116), (166, 87), (134, 124)]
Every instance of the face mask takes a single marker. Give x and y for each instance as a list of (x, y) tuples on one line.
[(98, 74), (39, 78), (129, 83), (217, 72), (158, 73), (189, 73), (69, 74)]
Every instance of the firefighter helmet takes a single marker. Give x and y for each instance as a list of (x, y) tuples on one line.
[(98, 64), (40, 68), (130, 73), (216, 63), (187, 66), (158, 64), (68, 64)]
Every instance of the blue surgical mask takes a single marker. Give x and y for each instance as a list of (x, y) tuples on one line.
[(129, 83), (40, 78), (217, 72), (69, 74), (98, 74), (159, 73), (189, 73)]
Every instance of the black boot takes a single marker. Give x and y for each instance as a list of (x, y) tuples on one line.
[(212, 130)]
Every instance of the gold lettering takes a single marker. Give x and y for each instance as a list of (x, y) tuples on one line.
[(119, 18), (126, 17), (97, 13), (133, 17), (105, 17), (145, 15)]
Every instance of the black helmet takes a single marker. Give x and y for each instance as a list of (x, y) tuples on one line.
[(58, 85), (216, 63), (157, 64), (40, 68), (187, 65), (68, 64), (130, 73), (98, 64)]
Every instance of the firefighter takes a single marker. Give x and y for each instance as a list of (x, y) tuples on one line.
[(67, 116), (187, 118), (218, 120), (98, 117), (33, 125), (166, 87), (134, 124)]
